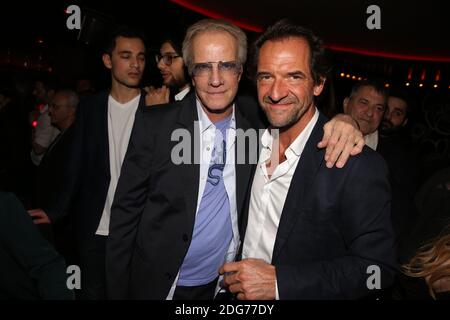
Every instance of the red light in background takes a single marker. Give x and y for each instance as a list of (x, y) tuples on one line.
[(34, 124), (216, 15), (423, 75), (438, 76), (410, 71)]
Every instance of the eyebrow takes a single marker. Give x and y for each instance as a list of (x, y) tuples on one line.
[(129, 52)]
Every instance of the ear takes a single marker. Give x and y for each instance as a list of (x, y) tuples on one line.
[(107, 60), (346, 100), (317, 90)]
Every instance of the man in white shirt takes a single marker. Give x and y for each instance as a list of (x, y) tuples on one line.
[(101, 134), (312, 232)]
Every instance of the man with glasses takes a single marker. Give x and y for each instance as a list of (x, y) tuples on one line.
[(174, 222), (174, 74)]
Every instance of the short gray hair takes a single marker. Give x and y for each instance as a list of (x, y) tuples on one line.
[(72, 97), (213, 25)]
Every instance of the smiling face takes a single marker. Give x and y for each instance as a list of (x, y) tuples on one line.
[(285, 85), (127, 62), (215, 89), (367, 107), (59, 110)]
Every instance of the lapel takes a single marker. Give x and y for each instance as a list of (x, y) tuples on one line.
[(141, 106), (243, 170), (190, 172), (300, 189), (101, 122)]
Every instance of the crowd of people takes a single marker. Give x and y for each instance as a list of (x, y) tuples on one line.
[(199, 190)]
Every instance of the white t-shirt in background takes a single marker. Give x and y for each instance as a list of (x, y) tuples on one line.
[(120, 123)]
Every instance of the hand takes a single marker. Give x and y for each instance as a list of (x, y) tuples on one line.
[(342, 138), (39, 216), (251, 279), (156, 96)]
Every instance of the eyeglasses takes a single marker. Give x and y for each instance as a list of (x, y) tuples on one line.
[(225, 68), (167, 58)]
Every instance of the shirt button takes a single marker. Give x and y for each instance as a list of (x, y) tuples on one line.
[(208, 148)]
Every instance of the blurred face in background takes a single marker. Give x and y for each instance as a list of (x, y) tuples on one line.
[(60, 112), (395, 115), (171, 66), (367, 107)]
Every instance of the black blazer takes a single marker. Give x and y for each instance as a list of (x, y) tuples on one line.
[(401, 160), (87, 173), (334, 224), (153, 212)]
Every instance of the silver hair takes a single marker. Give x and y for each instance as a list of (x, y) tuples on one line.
[(212, 25)]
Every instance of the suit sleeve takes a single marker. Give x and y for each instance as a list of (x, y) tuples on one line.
[(72, 172), (128, 205), (365, 225)]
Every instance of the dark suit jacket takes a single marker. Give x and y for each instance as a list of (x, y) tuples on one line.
[(401, 160), (87, 173), (334, 224), (154, 208)]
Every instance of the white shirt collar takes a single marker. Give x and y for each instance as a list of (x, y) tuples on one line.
[(371, 140), (180, 95)]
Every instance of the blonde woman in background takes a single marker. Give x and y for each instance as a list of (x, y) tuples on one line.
[(432, 263)]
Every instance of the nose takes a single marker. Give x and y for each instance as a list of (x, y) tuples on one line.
[(278, 91), (134, 63), (215, 78)]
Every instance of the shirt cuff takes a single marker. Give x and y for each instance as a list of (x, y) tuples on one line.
[(277, 295)]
